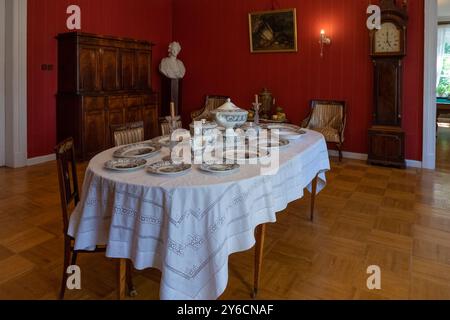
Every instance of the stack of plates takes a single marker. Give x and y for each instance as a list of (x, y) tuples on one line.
[(163, 141), (287, 131), (244, 155), (273, 144), (138, 151), (125, 164), (168, 168), (220, 168)]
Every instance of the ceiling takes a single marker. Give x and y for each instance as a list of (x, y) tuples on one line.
[(444, 8)]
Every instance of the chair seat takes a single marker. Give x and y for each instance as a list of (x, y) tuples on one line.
[(330, 134)]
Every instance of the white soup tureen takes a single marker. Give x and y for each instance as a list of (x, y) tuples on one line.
[(230, 116)]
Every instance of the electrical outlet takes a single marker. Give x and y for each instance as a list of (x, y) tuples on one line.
[(46, 67)]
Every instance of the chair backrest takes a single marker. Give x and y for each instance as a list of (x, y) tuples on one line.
[(165, 129), (327, 114), (211, 103), (127, 133), (68, 181)]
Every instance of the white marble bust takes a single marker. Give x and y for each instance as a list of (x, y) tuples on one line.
[(171, 67)]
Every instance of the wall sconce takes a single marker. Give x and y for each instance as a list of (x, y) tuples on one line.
[(324, 40)]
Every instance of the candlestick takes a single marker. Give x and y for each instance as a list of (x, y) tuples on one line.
[(256, 99), (172, 109)]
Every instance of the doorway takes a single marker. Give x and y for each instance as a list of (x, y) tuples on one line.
[(13, 83), (2, 82), (443, 87)]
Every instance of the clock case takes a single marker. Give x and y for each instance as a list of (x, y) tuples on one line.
[(386, 136)]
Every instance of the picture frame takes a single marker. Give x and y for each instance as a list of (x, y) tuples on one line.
[(273, 31)]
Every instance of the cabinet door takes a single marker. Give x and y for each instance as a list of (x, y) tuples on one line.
[(394, 150), (128, 69), (89, 69), (387, 92), (150, 118), (94, 132), (133, 114), (110, 69), (377, 147), (143, 70)]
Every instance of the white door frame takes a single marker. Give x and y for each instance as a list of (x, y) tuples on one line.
[(16, 83), (2, 82), (429, 87)]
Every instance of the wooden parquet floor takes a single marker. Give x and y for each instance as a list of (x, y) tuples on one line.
[(443, 149), (398, 220)]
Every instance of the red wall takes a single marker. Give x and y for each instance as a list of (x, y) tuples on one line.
[(140, 19), (215, 40)]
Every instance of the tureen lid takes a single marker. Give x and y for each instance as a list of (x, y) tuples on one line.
[(229, 107)]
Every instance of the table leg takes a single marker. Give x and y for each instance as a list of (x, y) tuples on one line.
[(259, 251), (122, 279), (313, 197)]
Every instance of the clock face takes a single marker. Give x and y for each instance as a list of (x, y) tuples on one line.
[(388, 39)]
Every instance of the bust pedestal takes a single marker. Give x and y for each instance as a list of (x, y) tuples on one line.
[(171, 91)]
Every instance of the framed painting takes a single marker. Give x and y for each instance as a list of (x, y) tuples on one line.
[(273, 31)]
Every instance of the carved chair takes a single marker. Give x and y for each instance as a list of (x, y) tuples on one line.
[(329, 118), (127, 133), (70, 197), (211, 103)]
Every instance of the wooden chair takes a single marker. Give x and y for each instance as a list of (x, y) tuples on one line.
[(211, 103), (329, 118), (165, 129), (70, 197), (128, 133)]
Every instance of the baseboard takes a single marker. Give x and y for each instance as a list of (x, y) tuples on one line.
[(349, 155), (414, 164), (364, 157), (40, 160)]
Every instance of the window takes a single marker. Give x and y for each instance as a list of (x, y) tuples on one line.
[(443, 63)]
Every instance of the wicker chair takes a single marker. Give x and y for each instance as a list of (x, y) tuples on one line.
[(70, 196), (211, 103), (127, 133), (329, 118)]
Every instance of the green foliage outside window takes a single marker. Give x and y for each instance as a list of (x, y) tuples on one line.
[(443, 89)]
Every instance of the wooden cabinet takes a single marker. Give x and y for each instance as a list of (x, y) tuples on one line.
[(103, 81)]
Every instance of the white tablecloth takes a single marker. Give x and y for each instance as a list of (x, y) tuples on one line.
[(187, 226)]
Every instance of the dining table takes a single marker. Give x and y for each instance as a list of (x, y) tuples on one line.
[(188, 225)]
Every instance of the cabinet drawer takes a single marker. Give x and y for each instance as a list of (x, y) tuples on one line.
[(115, 102), (94, 103), (134, 101)]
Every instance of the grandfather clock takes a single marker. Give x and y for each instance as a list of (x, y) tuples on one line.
[(388, 49)]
